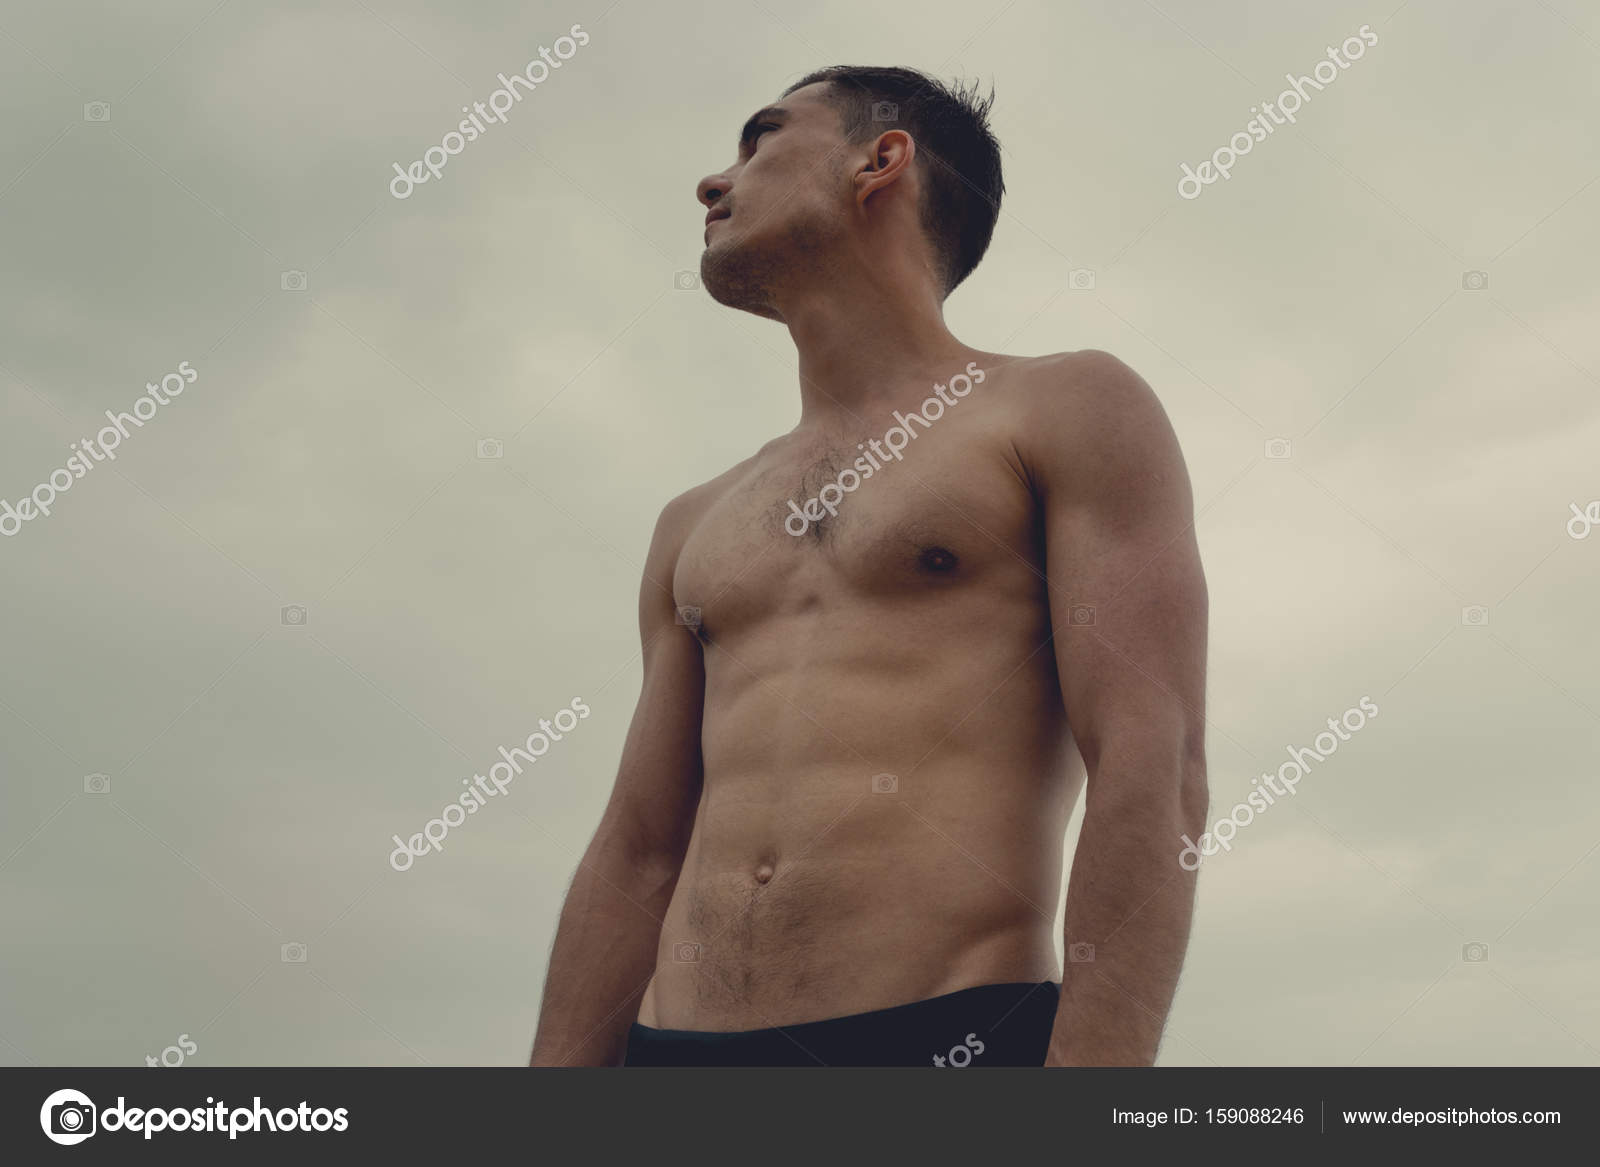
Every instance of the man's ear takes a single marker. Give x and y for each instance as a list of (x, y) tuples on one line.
[(889, 161)]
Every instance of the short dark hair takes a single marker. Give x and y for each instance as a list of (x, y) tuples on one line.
[(950, 124)]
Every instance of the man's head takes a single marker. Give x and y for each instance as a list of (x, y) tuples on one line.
[(858, 161)]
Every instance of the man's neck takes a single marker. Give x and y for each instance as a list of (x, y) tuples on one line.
[(866, 347)]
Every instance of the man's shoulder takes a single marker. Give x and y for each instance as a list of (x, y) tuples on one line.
[(1087, 381), (1086, 413)]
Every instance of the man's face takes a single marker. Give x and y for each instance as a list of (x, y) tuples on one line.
[(775, 213)]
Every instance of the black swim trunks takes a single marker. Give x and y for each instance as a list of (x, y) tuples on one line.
[(991, 1025)]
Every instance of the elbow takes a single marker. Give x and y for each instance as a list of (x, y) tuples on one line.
[(1159, 777), (626, 856)]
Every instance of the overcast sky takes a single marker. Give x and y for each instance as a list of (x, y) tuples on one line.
[(209, 183)]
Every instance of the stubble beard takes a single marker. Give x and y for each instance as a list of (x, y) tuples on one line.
[(748, 275)]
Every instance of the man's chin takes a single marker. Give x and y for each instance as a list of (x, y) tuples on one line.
[(718, 262), (723, 277)]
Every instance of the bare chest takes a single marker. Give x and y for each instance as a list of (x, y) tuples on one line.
[(811, 524)]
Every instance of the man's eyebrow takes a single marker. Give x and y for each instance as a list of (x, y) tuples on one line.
[(767, 113)]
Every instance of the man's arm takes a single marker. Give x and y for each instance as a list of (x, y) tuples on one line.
[(1128, 606), (605, 948)]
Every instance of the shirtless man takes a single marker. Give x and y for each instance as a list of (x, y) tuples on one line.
[(872, 696)]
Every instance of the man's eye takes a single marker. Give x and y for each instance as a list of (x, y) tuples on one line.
[(761, 129)]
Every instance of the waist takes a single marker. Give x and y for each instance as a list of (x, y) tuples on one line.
[(814, 945), (830, 890)]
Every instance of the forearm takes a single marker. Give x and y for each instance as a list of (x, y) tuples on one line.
[(1130, 899), (604, 953)]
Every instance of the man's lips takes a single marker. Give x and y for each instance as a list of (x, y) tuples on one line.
[(716, 216)]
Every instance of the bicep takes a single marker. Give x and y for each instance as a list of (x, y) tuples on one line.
[(1128, 599)]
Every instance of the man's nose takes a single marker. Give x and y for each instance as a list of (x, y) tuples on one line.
[(711, 188)]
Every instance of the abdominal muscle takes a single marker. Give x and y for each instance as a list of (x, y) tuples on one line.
[(820, 883)]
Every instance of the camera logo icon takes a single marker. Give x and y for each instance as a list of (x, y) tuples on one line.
[(688, 615), (686, 281), (885, 784), (292, 281), (67, 1117), (1081, 615), (96, 784), (490, 448), (1475, 953), (885, 111), (294, 616), (686, 952), (292, 953), (1081, 279), (1475, 616), (97, 111), (1474, 281), (1278, 449), (1080, 953)]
